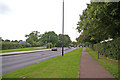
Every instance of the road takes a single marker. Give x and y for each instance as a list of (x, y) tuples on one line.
[(13, 62)]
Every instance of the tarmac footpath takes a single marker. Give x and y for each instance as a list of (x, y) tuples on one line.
[(91, 69)]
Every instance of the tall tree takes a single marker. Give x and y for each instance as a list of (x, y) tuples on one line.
[(49, 37), (100, 21), (33, 37), (67, 40)]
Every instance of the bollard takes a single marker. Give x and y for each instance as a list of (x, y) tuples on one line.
[(97, 54)]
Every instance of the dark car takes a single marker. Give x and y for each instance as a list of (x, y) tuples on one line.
[(54, 49)]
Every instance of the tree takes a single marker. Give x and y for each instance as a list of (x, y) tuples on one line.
[(49, 37), (49, 45), (15, 41), (67, 41), (7, 40), (33, 37), (74, 44), (100, 21)]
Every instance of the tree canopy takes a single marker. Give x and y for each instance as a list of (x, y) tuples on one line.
[(33, 37), (47, 38), (99, 21), (67, 40)]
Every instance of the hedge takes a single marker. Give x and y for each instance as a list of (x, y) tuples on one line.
[(13, 45), (109, 49)]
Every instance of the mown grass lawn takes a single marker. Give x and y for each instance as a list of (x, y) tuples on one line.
[(21, 49), (66, 66), (110, 64)]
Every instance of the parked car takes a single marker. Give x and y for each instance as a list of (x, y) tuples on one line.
[(54, 49)]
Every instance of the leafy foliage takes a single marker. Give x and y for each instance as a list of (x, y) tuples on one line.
[(49, 45), (109, 49), (33, 37), (13, 45), (67, 41), (56, 40), (99, 21), (49, 37)]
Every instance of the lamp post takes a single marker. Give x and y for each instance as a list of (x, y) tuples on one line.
[(49, 41), (63, 31)]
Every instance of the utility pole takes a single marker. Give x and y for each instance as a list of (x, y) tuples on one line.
[(63, 31), (49, 41)]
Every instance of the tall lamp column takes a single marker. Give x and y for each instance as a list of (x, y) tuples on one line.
[(63, 31)]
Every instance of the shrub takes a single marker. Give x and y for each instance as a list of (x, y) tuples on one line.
[(108, 49), (13, 45), (49, 45)]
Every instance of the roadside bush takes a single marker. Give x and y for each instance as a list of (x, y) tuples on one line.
[(24, 45), (108, 49), (13, 45), (49, 45), (36, 44)]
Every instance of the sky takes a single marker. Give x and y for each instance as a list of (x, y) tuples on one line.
[(21, 17)]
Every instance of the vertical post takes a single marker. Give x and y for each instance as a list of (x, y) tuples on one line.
[(97, 54), (63, 31), (49, 41)]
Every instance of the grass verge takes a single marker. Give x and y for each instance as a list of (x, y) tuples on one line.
[(66, 66), (21, 49), (110, 64)]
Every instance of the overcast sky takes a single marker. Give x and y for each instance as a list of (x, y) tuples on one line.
[(20, 17)]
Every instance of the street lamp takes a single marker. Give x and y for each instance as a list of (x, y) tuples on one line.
[(63, 31), (49, 41)]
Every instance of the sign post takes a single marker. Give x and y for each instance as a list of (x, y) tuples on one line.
[(97, 54)]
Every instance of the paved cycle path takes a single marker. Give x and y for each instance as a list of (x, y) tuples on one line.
[(89, 68)]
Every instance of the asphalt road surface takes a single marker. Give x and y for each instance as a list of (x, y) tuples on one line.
[(14, 62)]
